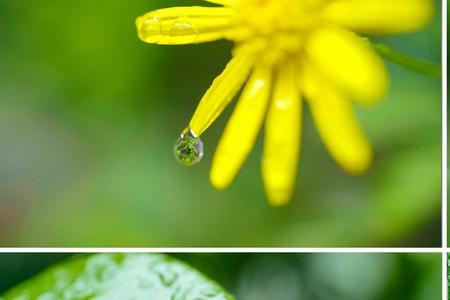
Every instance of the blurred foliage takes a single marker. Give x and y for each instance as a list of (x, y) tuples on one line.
[(265, 276), (88, 119)]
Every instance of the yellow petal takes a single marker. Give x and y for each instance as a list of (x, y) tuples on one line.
[(184, 25), (282, 138), (380, 16), (242, 128), (350, 63), (336, 123), (221, 92)]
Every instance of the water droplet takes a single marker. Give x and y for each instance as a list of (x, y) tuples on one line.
[(181, 27), (188, 149), (168, 277)]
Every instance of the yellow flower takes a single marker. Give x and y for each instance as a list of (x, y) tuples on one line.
[(286, 51)]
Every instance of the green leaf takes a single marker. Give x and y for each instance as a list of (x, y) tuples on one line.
[(119, 276)]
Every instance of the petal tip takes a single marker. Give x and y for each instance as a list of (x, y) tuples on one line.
[(139, 22), (195, 127), (360, 164), (381, 87), (144, 25), (278, 199), (217, 180), (427, 11)]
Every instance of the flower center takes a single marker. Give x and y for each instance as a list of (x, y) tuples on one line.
[(279, 26)]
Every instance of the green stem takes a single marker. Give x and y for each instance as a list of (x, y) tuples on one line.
[(409, 62)]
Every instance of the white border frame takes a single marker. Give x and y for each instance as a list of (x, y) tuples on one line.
[(444, 153)]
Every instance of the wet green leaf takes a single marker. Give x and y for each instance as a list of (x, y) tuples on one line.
[(121, 277)]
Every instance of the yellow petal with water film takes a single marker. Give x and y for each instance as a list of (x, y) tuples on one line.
[(184, 25), (242, 128), (349, 62), (336, 123), (282, 138), (221, 92), (380, 16)]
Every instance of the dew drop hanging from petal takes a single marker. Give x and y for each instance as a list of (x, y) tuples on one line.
[(188, 149)]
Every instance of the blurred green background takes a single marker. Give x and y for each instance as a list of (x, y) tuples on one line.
[(265, 276), (89, 115)]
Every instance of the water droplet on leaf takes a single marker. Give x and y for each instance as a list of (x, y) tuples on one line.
[(188, 149), (168, 278)]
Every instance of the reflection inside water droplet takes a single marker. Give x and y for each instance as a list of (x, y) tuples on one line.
[(188, 149)]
